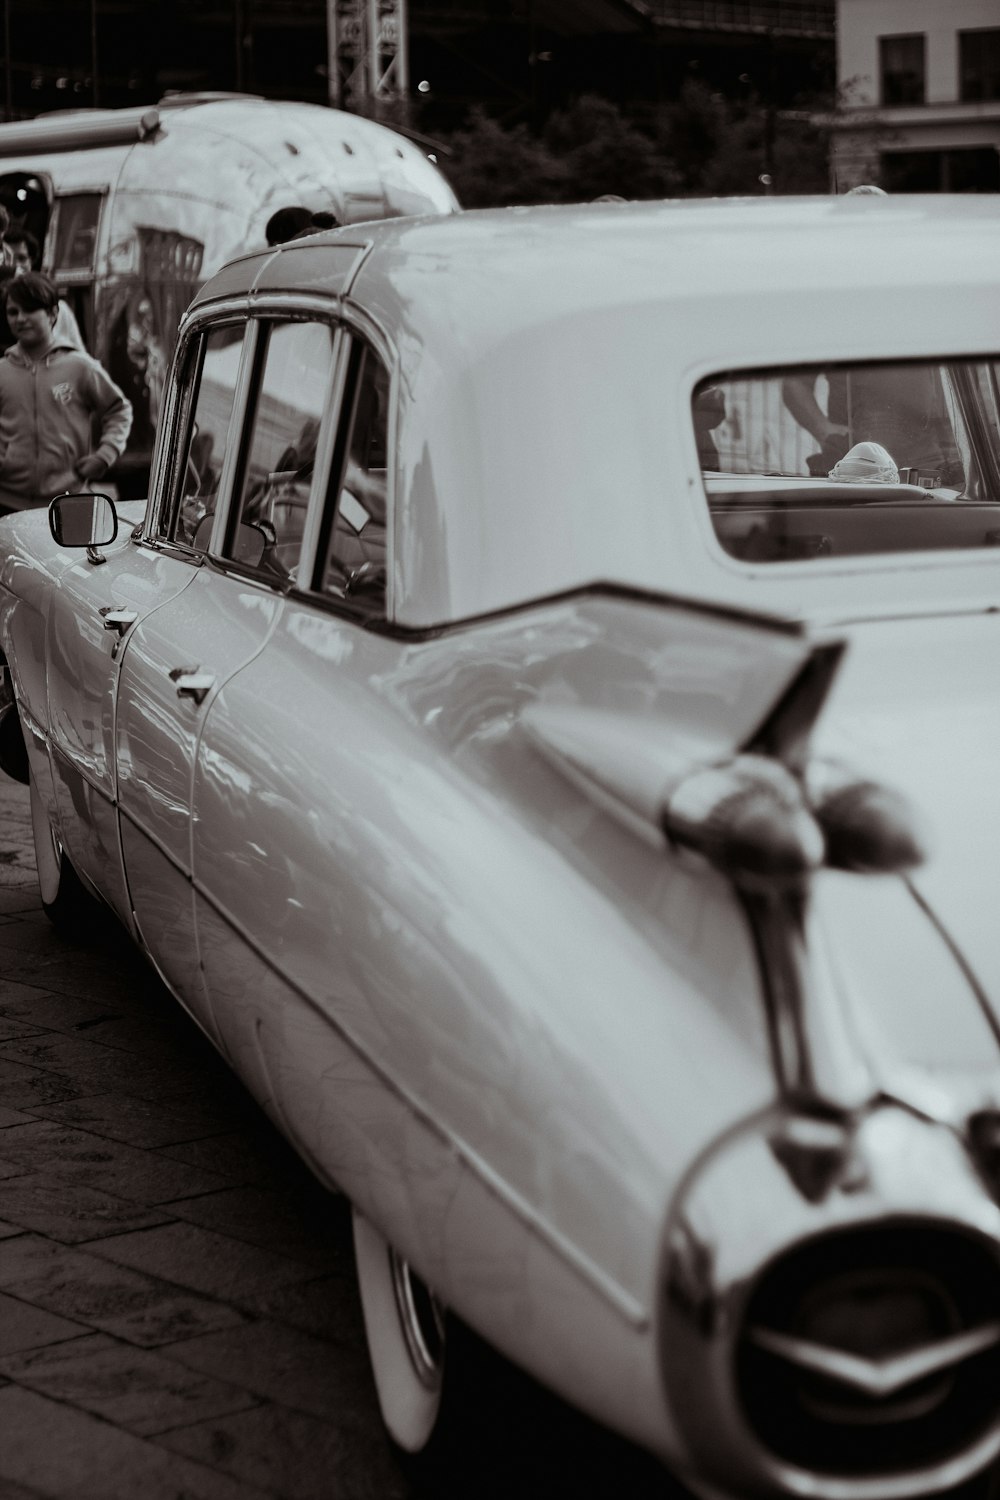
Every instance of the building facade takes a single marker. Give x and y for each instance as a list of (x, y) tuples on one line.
[(919, 95), (518, 59)]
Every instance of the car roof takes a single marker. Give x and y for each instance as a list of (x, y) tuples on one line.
[(527, 340), (570, 257)]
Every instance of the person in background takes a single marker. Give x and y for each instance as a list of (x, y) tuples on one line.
[(297, 223), (286, 223), (24, 248), (137, 363), (6, 253), (26, 255), (7, 274), (53, 399), (899, 406), (323, 219)]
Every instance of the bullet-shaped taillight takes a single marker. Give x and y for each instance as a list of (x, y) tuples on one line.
[(868, 828), (749, 818)]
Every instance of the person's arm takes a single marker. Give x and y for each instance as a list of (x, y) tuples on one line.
[(799, 395), (369, 488), (115, 415)]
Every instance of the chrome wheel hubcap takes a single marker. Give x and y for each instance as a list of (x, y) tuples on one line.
[(422, 1321)]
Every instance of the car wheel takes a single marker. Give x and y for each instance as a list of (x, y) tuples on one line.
[(65, 902), (405, 1326)]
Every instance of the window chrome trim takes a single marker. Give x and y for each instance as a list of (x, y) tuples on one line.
[(319, 492), (233, 458), (362, 327)]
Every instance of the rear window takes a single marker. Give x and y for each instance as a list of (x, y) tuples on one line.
[(840, 460)]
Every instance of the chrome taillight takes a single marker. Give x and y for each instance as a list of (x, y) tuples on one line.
[(873, 1350)]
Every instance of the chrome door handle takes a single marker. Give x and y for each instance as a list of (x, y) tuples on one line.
[(119, 619), (191, 683)]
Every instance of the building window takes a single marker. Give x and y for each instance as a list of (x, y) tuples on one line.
[(979, 64), (969, 169), (903, 69)]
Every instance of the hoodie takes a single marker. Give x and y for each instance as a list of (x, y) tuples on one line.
[(54, 413)]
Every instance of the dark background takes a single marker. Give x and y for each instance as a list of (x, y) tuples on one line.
[(524, 100)]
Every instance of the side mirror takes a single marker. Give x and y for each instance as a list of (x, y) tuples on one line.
[(252, 540), (83, 520)]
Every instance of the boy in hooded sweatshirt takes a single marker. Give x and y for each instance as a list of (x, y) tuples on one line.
[(63, 421)]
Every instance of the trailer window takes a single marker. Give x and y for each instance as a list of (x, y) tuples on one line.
[(75, 232)]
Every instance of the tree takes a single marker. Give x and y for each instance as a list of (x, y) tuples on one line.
[(491, 166), (699, 145), (601, 152)]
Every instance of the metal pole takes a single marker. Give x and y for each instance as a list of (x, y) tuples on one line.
[(372, 49), (332, 56), (532, 66), (7, 71), (238, 27), (769, 113), (403, 54), (95, 92)]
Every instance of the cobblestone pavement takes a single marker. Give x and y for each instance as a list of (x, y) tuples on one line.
[(178, 1318)]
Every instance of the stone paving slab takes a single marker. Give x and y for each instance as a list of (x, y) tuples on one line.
[(178, 1313), (23, 1326), (137, 1122), (203, 1261), (267, 1217), (283, 1364), (134, 1388), (146, 1177), (63, 1451), (74, 1283), (293, 1454), (247, 1158), (70, 1212)]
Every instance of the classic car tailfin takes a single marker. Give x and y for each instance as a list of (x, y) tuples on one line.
[(761, 812)]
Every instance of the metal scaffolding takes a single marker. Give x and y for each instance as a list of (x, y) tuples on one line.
[(367, 64)]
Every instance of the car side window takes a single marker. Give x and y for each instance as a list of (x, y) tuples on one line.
[(199, 465), (269, 511), (354, 546)]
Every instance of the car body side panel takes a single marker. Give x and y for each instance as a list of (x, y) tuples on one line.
[(455, 944), (216, 625), (364, 1133), (916, 705), (66, 676)]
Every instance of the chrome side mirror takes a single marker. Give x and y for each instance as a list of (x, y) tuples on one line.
[(83, 520)]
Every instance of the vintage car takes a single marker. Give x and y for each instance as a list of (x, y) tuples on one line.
[(133, 209), (543, 728)]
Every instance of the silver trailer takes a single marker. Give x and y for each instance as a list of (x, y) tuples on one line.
[(136, 208)]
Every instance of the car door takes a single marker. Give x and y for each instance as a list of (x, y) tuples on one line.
[(267, 842), (101, 598), (240, 490), (90, 618)]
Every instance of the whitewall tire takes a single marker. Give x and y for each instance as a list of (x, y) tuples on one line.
[(65, 901), (405, 1328)]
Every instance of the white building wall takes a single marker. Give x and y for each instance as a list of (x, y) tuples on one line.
[(943, 122), (860, 23)]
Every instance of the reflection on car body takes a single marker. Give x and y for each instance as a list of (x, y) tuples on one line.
[(572, 813)]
